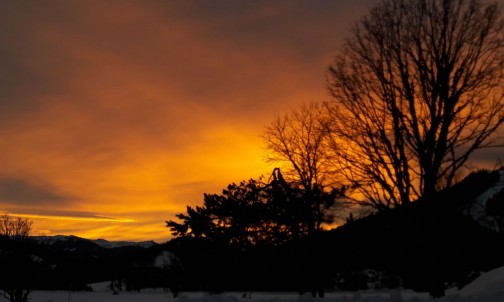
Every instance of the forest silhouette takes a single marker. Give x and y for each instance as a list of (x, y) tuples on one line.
[(416, 89)]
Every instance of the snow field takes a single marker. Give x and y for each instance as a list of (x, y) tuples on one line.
[(489, 287), (392, 296)]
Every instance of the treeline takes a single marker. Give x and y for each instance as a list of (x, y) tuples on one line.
[(74, 263), (423, 246)]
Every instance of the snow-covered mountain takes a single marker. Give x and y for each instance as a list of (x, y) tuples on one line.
[(115, 244), (478, 208), (50, 240)]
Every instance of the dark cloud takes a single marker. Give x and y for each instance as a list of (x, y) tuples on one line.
[(62, 213), (210, 52), (489, 158), (31, 67), (23, 192)]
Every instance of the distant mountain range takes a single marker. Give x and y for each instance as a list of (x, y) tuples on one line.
[(70, 262), (51, 240)]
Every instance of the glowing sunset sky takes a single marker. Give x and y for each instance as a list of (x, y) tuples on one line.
[(117, 114)]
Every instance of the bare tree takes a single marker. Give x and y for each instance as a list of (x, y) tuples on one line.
[(417, 88), (16, 263), (15, 228), (300, 142)]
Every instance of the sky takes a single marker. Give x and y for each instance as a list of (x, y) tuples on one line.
[(116, 114)]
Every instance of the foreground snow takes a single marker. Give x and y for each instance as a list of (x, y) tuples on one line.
[(393, 296), (489, 287), (226, 297)]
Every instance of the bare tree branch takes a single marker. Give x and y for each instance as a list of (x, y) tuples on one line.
[(300, 141), (417, 88)]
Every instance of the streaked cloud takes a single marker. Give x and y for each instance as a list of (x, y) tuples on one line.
[(72, 218), (17, 191)]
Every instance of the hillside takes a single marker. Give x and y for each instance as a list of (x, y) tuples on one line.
[(441, 241)]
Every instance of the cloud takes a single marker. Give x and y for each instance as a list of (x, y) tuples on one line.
[(75, 217), (19, 191), (489, 158)]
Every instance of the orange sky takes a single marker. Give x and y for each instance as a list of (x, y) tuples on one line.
[(116, 114)]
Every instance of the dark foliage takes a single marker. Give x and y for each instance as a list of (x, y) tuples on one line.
[(253, 213)]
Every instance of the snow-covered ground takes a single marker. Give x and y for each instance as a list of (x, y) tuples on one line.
[(489, 287), (158, 296), (478, 208)]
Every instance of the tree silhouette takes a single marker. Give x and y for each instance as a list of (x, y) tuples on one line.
[(16, 262), (256, 213), (304, 211), (300, 141), (418, 87), (234, 217), (15, 228)]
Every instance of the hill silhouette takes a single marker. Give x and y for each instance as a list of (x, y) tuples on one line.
[(426, 245)]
